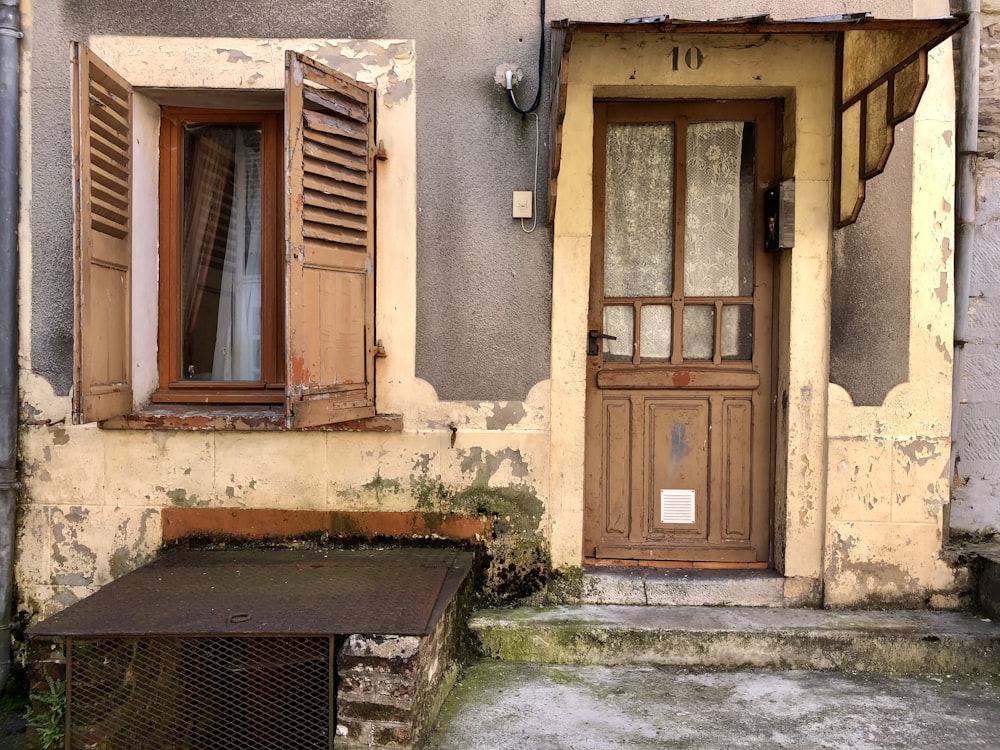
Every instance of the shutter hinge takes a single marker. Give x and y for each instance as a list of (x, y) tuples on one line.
[(380, 154), (378, 350)]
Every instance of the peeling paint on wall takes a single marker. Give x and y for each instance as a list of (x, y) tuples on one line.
[(920, 451), (889, 570), (941, 292), (68, 552), (386, 65), (505, 414), (485, 464), (235, 55)]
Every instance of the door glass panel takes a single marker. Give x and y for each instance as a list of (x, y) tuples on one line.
[(699, 332), (655, 332), (618, 323), (718, 224), (639, 216), (737, 331)]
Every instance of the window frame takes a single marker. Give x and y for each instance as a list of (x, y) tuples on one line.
[(173, 388), (329, 204)]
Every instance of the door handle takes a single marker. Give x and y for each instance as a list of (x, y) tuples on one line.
[(593, 337)]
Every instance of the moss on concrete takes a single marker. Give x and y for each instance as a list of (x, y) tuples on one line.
[(565, 586), (579, 641)]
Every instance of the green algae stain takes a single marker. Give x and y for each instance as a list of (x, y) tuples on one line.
[(379, 484), (514, 509), (181, 499)]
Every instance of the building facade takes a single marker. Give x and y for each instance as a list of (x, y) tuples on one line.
[(422, 355)]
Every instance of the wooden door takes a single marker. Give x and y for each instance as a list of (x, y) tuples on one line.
[(679, 371)]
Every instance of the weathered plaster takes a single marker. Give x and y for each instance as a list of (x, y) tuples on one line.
[(254, 64), (24, 167), (886, 564), (90, 515), (888, 484)]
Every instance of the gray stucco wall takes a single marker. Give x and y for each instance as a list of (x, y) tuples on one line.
[(870, 285), (976, 489)]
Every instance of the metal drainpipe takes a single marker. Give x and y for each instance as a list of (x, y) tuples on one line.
[(967, 144), (10, 35)]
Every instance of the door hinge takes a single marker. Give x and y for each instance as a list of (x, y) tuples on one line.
[(378, 350)]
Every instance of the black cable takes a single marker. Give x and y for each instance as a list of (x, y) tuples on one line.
[(541, 67)]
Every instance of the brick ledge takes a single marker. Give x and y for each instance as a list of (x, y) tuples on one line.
[(271, 523)]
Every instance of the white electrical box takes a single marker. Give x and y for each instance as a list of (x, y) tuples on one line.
[(522, 204)]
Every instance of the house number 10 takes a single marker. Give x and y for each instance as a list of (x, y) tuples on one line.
[(693, 58)]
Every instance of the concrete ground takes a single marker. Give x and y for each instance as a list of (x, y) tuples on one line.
[(503, 705)]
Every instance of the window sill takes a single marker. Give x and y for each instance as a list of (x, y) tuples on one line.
[(247, 418)]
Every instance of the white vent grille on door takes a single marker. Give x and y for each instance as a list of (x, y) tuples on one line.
[(676, 506)]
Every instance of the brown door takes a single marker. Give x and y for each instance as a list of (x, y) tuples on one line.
[(679, 348)]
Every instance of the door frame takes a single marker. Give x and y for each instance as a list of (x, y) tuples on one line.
[(768, 150)]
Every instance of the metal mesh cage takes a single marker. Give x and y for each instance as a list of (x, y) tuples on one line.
[(200, 693)]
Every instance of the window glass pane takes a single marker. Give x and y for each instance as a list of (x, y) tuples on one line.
[(737, 331), (639, 217), (221, 252), (699, 332), (718, 225), (618, 322), (654, 332)]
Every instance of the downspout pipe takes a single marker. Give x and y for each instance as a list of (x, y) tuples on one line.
[(967, 146), (10, 36)]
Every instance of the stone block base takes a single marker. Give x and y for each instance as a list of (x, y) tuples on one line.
[(391, 687)]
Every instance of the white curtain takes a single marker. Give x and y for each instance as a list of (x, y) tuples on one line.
[(237, 341), (714, 210), (712, 238)]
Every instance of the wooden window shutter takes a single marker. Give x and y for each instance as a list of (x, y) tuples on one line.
[(102, 163), (330, 245)]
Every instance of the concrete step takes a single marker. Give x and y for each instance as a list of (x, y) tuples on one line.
[(901, 642), (657, 586)]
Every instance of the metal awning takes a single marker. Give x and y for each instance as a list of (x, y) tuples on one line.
[(881, 73)]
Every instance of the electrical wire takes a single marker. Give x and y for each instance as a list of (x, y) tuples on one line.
[(541, 66), (534, 192)]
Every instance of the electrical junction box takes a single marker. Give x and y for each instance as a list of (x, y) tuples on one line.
[(779, 216), (522, 204)]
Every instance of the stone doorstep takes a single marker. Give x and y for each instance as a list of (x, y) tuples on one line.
[(902, 642), (682, 587)]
